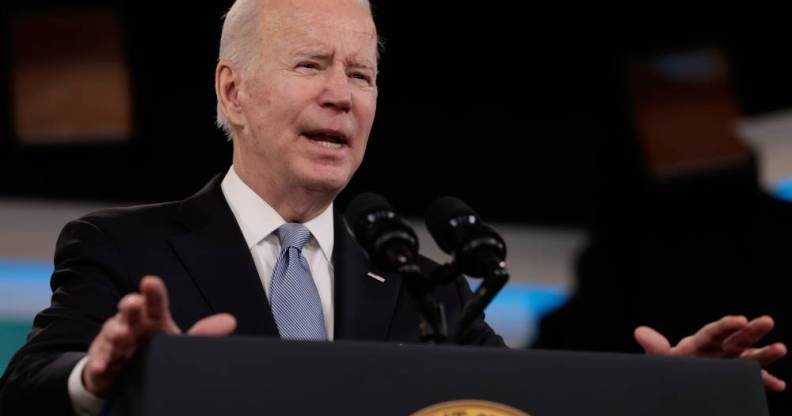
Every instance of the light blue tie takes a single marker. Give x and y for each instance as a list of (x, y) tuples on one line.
[(295, 301)]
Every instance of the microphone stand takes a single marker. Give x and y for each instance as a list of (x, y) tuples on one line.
[(493, 282), (475, 306), (433, 326)]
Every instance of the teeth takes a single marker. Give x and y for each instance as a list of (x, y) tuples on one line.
[(329, 145), (330, 142)]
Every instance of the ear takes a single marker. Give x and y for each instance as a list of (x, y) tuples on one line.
[(227, 85)]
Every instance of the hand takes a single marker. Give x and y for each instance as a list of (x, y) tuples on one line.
[(730, 337), (139, 316)]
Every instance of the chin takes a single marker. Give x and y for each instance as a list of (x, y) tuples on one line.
[(327, 183), (327, 177)]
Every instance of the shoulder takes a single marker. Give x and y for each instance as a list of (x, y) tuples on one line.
[(127, 221), (152, 220)]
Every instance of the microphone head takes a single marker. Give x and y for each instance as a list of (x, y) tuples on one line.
[(443, 218), (477, 248), (364, 204), (389, 241)]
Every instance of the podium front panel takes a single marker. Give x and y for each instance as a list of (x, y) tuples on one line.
[(244, 375)]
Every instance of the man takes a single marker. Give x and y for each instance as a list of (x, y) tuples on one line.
[(260, 251)]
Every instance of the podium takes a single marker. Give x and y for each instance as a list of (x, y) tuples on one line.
[(245, 375)]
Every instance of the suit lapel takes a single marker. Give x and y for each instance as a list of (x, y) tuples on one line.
[(219, 262), (364, 306)]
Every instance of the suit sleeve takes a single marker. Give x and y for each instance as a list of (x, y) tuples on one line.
[(87, 283)]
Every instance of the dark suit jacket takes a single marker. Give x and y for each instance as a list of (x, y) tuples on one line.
[(196, 246)]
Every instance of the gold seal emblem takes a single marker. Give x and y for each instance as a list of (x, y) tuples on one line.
[(470, 408)]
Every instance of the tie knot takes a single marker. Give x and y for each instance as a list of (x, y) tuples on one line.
[(293, 235)]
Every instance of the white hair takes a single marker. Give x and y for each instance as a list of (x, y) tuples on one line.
[(239, 42)]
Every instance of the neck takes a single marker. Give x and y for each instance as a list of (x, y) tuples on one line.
[(293, 203)]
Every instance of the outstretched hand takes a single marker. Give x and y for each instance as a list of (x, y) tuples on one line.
[(729, 337), (139, 316)]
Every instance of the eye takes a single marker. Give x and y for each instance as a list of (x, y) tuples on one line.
[(360, 76), (308, 65)]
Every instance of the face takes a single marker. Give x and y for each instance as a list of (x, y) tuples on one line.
[(308, 101)]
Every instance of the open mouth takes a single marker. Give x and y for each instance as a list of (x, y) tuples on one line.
[(330, 139)]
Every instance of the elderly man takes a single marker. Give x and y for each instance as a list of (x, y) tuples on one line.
[(260, 250)]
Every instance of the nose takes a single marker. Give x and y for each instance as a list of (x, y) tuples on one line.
[(337, 94)]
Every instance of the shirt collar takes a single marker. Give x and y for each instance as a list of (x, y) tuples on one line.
[(258, 219)]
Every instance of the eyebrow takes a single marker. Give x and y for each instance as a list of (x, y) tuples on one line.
[(323, 54), (314, 53), (361, 65)]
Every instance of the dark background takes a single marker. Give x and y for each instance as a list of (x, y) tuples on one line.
[(523, 113)]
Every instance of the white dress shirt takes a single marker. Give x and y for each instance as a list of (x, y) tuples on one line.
[(258, 222)]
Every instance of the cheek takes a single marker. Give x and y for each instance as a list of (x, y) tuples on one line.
[(258, 104), (288, 100), (367, 108)]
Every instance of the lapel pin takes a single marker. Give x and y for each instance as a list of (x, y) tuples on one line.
[(376, 277)]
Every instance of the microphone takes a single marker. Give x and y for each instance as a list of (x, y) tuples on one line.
[(477, 249), (393, 246), (389, 240)]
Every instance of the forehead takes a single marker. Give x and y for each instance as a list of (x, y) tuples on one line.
[(323, 24)]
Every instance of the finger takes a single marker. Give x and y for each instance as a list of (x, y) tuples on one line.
[(157, 308), (772, 382), (107, 355), (156, 298), (98, 353), (94, 372), (109, 337), (131, 308), (652, 341), (735, 344), (121, 340), (96, 375), (216, 325), (766, 355), (101, 349), (709, 339), (126, 349)]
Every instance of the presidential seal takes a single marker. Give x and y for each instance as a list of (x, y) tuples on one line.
[(470, 408)]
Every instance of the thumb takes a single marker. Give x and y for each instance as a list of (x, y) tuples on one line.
[(652, 341), (214, 326)]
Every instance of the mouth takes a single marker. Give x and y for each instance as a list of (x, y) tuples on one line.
[(328, 138)]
